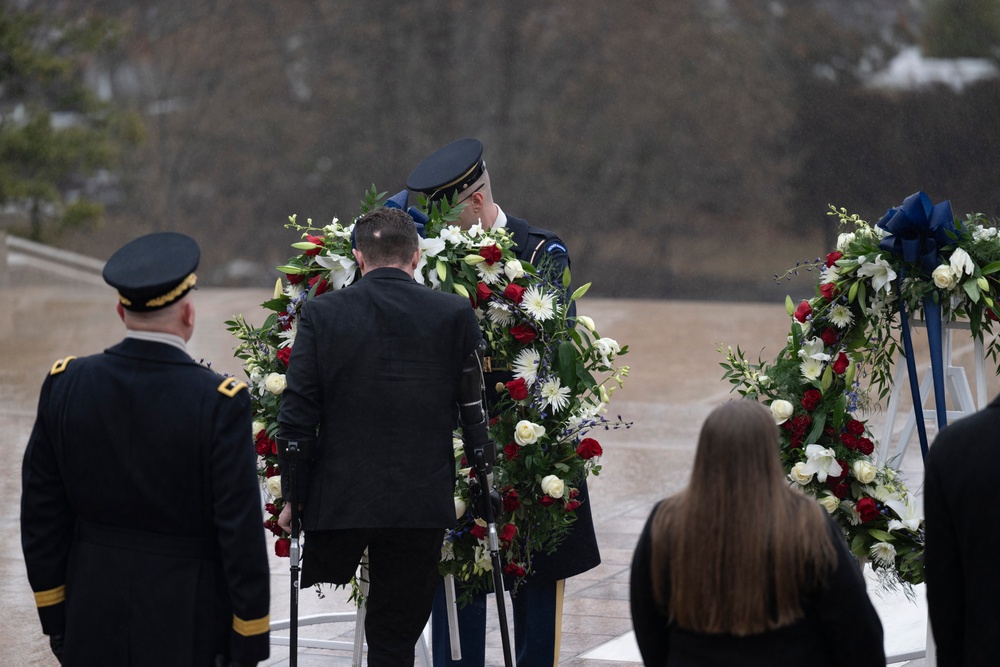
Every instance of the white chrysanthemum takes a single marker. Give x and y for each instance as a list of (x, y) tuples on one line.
[(554, 394), (288, 337), (526, 365), (811, 368), (447, 550), (844, 240), (829, 274), (294, 292), (980, 233), (883, 553), (498, 314), (490, 274), (853, 509), (538, 304), (840, 316)]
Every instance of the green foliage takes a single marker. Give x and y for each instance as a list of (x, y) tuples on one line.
[(41, 59), (962, 29)]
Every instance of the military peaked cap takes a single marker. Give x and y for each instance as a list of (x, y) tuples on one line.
[(153, 271), (448, 170)]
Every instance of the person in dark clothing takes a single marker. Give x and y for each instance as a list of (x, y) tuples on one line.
[(377, 368), (741, 569), (140, 507), (961, 593), (458, 172)]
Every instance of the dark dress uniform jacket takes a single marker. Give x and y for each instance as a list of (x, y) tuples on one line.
[(960, 501), (376, 365), (141, 512), (840, 627), (579, 551)]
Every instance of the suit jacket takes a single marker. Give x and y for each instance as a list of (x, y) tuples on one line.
[(579, 551), (141, 513), (961, 546), (840, 627), (376, 366)]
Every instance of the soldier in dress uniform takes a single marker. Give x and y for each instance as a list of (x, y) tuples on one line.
[(141, 518), (457, 173)]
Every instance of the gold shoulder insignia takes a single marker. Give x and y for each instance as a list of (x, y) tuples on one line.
[(60, 365), (231, 386)]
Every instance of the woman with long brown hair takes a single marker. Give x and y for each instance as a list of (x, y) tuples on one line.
[(742, 569)]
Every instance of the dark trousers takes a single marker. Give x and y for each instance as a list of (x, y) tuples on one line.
[(402, 576), (537, 618)]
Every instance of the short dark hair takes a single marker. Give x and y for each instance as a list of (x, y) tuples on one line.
[(386, 237)]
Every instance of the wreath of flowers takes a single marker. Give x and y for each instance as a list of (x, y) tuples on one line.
[(848, 332), (564, 376)]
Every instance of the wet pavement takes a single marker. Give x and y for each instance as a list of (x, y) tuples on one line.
[(675, 382)]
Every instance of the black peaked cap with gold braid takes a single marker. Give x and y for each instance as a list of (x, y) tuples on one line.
[(449, 170), (153, 271)]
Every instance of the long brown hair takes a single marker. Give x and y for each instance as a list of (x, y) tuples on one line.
[(742, 547)]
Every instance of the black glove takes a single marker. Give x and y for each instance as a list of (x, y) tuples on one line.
[(56, 644)]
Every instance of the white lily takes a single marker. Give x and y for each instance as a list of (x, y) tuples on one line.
[(880, 272), (813, 349), (342, 269), (822, 462), (910, 513), (961, 263)]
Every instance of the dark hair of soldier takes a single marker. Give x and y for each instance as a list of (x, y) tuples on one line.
[(741, 545), (386, 237)]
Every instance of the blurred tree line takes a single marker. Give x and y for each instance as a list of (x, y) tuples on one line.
[(686, 149)]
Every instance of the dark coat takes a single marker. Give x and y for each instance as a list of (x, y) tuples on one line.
[(962, 543), (141, 512), (579, 551), (377, 367), (840, 627)]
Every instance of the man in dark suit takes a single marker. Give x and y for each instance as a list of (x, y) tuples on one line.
[(458, 172), (140, 507), (961, 546), (377, 368)]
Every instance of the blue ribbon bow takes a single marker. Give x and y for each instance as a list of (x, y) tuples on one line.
[(918, 230)]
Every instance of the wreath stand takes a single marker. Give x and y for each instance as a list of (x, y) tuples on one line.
[(423, 657), (957, 387)]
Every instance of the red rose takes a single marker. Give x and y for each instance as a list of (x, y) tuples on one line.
[(491, 254), (867, 509), (850, 441), (866, 446), (283, 355), (270, 508), (510, 451), (523, 333), (318, 240), (508, 532), (295, 278), (483, 293), (518, 389), (320, 282), (800, 423), (514, 292), (854, 427), (572, 505), (803, 311), (263, 443), (841, 489), (271, 471), (573, 493), (511, 501), (829, 291), (811, 399), (546, 501), (282, 547), (515, 570), (829, 336), (589, 448), (832, 258), (478, 531), (272, 525), (841, 363)]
